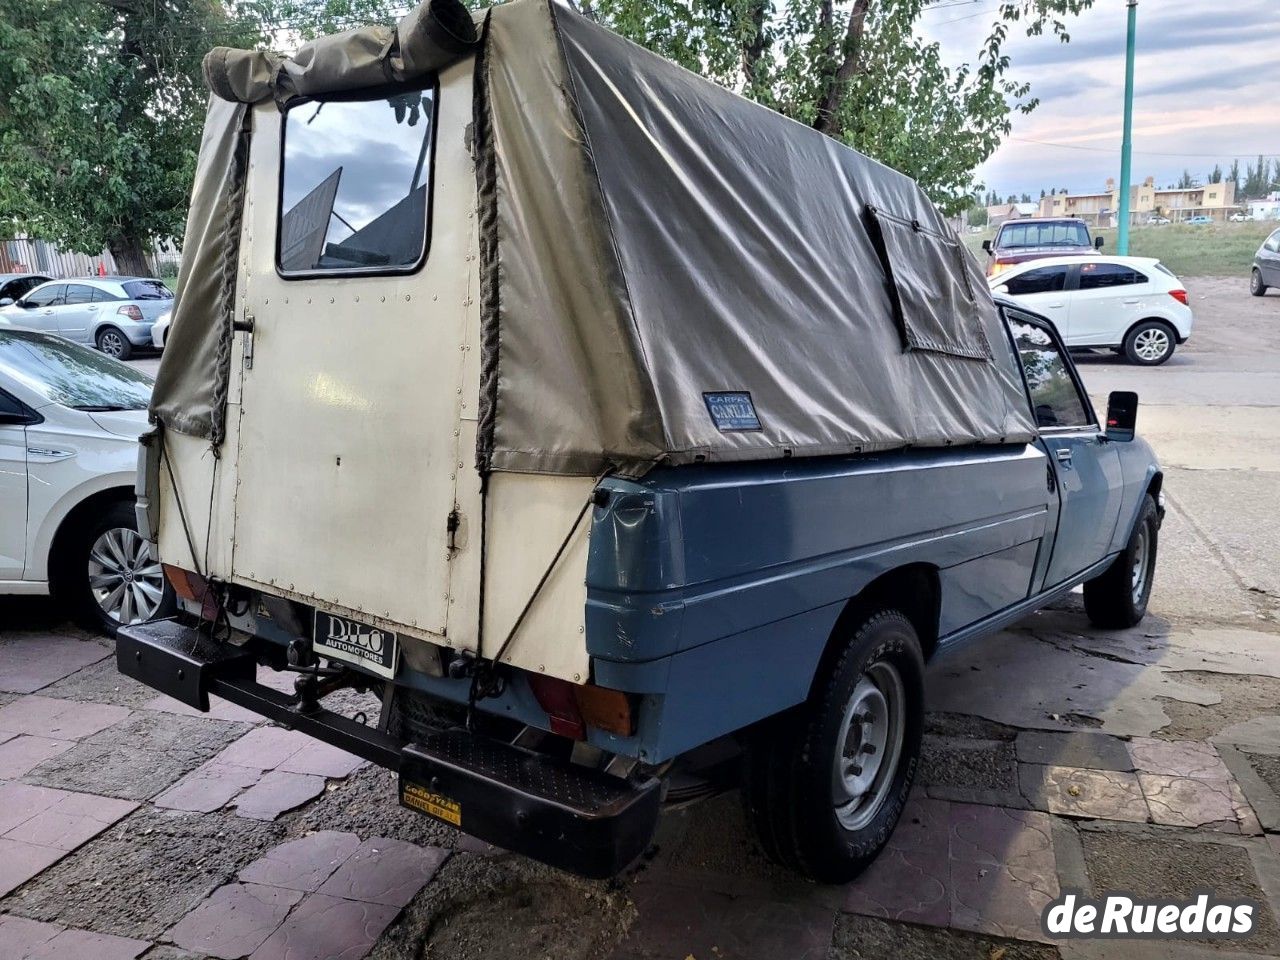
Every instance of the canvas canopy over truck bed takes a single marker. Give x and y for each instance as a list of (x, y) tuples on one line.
[(669, 272)]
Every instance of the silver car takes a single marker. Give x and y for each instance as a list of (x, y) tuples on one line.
[(114, 314)]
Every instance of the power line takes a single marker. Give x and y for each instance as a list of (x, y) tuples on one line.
[(1149, 153)]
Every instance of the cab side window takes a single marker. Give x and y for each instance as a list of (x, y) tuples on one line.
[(78, 293), (1095, 276), (1055, 399), (49, 296)]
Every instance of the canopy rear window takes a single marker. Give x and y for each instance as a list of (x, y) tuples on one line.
[(355, 184)]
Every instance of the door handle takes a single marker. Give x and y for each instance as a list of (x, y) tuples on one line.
[(1064, 455), (1133, 302), (1053, 306)]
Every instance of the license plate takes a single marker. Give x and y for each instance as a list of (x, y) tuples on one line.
[(342, 638), (419, 798)]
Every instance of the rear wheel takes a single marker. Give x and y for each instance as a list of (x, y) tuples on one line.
[(108, 574), (1256, 286), (1117, 598), (114, 343), (1150, 343), (826, 782)]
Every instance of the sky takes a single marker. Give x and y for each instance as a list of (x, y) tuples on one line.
[(1205, 90)]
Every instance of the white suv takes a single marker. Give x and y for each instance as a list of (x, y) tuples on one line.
[(69, 424), (1132, 305)]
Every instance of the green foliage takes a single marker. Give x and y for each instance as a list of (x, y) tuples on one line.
[(100, 117)]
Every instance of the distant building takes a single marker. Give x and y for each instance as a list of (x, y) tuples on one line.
[(1215, 200), (1268, 209), (1001, 212)]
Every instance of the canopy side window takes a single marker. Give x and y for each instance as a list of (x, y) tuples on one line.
[(928, 283)]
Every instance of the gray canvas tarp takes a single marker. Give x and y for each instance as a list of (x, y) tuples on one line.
[(652, 244)]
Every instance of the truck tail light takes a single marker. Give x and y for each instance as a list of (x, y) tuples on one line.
[(194, 588), (572, 707), (132, 311), (1179, 295), (1000, 266)]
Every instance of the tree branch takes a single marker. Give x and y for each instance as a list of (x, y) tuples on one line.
[(753, 50), (832, 95)]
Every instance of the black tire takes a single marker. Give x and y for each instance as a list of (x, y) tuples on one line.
[(790, 783), (1113, 599), (72, 573), (114, 343), (1145, 332), (1256, 286)]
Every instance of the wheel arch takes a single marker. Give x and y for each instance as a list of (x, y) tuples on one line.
[(74, 518), (1154, 318)]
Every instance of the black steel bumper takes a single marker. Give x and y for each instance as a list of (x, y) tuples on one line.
[(571, 817)]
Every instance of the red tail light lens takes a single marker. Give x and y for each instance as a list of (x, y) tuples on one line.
[(1179, 295), (193, 587), (572, 707), (556, 697), (130, 310)]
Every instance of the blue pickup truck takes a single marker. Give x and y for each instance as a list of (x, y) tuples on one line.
[(627, 441)]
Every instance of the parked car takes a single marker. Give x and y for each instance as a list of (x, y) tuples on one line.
[(1157, 221), (114, 314), (13, 286), (160, 331), (640, 534), (1239, 217), (1200, 220), (1266, 266), (69, 425), (1133, 305), (1018, 241)]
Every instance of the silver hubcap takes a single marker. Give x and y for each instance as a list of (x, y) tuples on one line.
[(111, 344), (1151, 344), (1138, 576), (869, 746), (126, 581)]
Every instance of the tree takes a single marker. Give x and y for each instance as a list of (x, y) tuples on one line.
[(977, 215), (1026, 198), (1233, 175), (857, 70), (1216, 175), (101, 116), (1042, 193), (1186, 181)]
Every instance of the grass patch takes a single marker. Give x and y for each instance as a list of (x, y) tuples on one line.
[(1214, 250)]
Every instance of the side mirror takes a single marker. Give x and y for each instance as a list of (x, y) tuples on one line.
[(1097, 243), (986, 245), (1122, 415), (6, 301), (1002, 288)]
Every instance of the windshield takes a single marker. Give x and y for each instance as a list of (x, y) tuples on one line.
[(71, 375), (1015, 235), (146, 290)]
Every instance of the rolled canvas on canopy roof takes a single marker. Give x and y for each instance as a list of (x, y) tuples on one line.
[(669, 272)]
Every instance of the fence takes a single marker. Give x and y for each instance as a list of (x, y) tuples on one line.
[(24, 255)]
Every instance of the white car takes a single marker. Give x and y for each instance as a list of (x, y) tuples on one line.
[(1132, 305), (1157, 221), (69, 424), (160, 332), (1240, 218)]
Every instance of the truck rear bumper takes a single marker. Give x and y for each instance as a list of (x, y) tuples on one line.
[(568, 816)]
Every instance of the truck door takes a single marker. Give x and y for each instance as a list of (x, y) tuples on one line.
[(350, 367), (1086, 466)]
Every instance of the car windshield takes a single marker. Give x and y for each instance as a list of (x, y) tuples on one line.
[(1016, 235), (146, 290), (71, 375)]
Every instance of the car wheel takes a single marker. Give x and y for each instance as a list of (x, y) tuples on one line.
[(1117, 598), (827, 781), (1256, 286), (108, 574), (114, 343), (1150, 343)]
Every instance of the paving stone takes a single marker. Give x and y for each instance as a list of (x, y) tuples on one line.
[(58, 719), (1000, 900), (265, 747), (911, 879), (276, 793), (1178, 758), (386, 871), (1018, 839), (101, 682), (1245, 816), (235, 920), (19, 862), (1184, 802), (1092, 751), (87, 945), (137, 758), (1072, 792), (219, 709), (864, 938), (30, 662), (327, 928), (19, 936), (678, 921), (141, 876), (19, 802), (19, 755), (322, 760), (208, 787), (303, 864), (74, 819)]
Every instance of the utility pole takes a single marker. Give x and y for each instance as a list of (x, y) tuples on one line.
[(1126, 144)]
